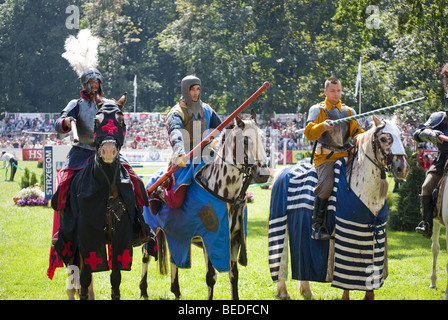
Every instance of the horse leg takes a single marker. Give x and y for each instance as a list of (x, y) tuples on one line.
[(305, 289), (90, 290), (72, 281), (210, 277), (86, 281), (370, 295), (346, 295), (175, 281), (144, 279), (233, 276), (435, 249), (282, 291), (115, 281), (235, 245)]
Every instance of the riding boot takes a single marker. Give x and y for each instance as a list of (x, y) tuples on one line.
[(320, 231), (425, 226)]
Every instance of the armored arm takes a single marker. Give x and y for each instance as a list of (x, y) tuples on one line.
[(176, 127), (69, 111), (428, 132)]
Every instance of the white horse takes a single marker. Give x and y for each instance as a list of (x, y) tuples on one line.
[(441, 220), (379, 148), (239, 159)]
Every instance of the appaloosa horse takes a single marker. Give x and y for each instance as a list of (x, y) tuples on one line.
[(355, 259), (214, 214), (441, 219), (106, 200)]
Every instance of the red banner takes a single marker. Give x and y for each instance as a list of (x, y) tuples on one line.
[(32, 154), (292, 156)]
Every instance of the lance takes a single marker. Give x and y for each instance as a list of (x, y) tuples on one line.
[(365, 114), (208, 138), (74, 131)]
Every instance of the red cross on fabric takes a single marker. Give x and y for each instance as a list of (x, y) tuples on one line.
[(67, 251), (93, 261), (125, 258), (110, 127)]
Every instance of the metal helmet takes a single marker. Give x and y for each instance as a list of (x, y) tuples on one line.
[(92, 73), (194, 108)]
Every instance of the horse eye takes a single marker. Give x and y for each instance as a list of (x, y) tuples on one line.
[(98, 119), (383, 140), (120, 118)]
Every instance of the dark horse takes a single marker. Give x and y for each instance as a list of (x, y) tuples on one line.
[(213, 215), (106, 200)]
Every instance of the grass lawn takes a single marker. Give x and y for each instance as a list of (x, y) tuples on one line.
[(25, 235)]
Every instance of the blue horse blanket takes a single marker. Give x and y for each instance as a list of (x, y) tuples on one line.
[(201, 215), (358, 259)]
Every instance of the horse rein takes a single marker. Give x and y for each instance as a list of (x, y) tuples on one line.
[(375, 144)]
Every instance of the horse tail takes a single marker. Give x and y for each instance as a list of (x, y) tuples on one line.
[(162, 252)]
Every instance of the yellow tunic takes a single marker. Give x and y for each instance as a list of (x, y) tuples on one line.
[(315, 129)]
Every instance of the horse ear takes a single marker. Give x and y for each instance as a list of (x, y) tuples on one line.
[(376, 120), (122, 101), (97, 100), (253, 115), (239, 122)]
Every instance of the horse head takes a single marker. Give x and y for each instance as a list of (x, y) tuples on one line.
[(387, 148), (110, 129), (245, 143)]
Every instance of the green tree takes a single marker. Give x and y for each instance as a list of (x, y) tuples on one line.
[(34, 76)]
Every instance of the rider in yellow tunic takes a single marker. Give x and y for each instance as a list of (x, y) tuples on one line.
[(333, 144)]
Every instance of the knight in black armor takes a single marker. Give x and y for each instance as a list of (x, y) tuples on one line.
[(82, 112), (436, 125)]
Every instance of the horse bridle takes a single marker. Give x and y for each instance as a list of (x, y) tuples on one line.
[(245, 169), (376, 144)]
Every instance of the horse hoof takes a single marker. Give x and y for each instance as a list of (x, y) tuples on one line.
[(284, 295)]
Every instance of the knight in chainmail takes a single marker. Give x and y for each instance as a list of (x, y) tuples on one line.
[(436, 125), (186, 123), (333, 142)]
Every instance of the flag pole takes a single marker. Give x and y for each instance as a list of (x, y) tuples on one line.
[(135, 93), (360, 89), (208, 138)]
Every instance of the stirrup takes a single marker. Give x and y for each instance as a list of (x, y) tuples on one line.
[(424, 229), (320, 233)]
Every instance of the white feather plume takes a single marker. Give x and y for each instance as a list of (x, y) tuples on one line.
[(82, 51)]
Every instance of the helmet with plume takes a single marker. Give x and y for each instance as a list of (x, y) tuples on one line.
[(82, 54)]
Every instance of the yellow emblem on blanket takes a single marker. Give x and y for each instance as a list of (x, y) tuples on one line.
[(208, 217)]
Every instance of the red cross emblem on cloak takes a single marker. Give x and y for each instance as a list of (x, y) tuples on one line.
[(93, 261), (67, 251), (110, 127), (125, 259)]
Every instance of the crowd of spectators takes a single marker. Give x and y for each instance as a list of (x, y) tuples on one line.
[(151, 133)]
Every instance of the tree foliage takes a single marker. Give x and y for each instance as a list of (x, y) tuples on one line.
[(233, 46)]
